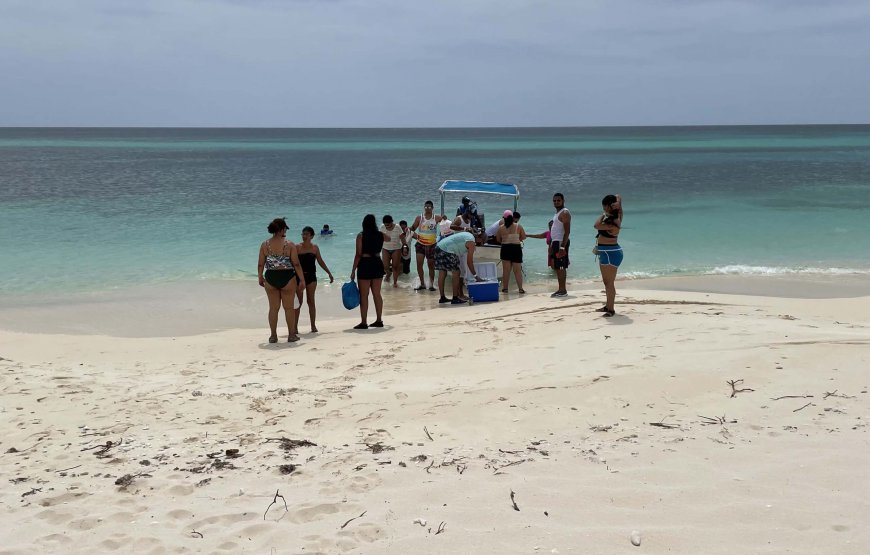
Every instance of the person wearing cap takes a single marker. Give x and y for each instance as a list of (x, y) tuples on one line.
[(493, 228), (447, 254), (510, 236), (471, 207)]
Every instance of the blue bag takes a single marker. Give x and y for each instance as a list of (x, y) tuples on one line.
[(350, 295)]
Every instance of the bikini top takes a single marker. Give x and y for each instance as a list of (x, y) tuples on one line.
[(606, 234), (277, 261)]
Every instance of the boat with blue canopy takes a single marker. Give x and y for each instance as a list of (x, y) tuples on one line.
[(466, 188)]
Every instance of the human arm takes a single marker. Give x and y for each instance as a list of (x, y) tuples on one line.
[(470, 245), (294, 259), (537, 235), (522, 232), (322, 263), (457, 224), (261, 264), (356, 257), (565, 218)]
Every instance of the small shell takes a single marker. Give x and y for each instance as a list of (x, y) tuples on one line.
[(635, 538)]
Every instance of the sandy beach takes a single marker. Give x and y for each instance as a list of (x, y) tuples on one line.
[(697, 421)]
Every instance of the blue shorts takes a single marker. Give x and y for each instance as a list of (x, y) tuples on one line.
[(609, 255)]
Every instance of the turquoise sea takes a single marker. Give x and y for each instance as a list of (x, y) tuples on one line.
[(84, 210)]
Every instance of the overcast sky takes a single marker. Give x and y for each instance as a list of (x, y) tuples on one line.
[(407, 63)]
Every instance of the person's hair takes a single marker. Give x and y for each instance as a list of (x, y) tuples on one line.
[(325, 226), (509, 220), (403, 222), (388, 219), (369, 223), (429, 202), (308, 229), (608, 200), (560, 195), (276, 225), (517, 216)]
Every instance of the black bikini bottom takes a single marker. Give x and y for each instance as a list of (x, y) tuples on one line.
[(279, 278)]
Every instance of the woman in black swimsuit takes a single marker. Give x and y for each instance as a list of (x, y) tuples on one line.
[(309, 254), (279, 273), (369, 244)]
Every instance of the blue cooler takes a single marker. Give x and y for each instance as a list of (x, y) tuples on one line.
[(487, 290)]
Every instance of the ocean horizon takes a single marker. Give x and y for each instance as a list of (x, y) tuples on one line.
[(92, 209)]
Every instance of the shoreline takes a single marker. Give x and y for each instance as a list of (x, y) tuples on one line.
[(195, 308)]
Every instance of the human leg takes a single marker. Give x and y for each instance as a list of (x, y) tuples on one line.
[(518, 275), (397, 266), (274, 296), (364, 287), (505, 275), (442, 279), (310, 290), (379, 301), (608, 276), (288, 295), (421, 257)]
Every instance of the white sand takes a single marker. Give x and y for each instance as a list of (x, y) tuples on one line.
[(536, 396)]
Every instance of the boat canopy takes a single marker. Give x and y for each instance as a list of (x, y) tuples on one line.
[(455, 186), (488, 187)]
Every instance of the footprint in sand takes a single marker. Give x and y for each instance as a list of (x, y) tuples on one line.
[(401, 396), (311, 513)]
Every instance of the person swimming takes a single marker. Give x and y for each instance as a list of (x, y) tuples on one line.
[(325, 230)]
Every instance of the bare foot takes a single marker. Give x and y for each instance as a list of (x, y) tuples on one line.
[(313, 329)]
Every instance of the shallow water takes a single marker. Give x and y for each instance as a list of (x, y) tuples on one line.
[(85, 210)]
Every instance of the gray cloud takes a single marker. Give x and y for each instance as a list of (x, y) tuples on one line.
[(392, 63)]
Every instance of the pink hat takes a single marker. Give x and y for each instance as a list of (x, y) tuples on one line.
[(507, 213)]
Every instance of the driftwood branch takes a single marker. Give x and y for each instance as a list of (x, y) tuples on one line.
[(513, 502), (791, 397), (351, 520), (521, 461), (661, 424), (425, 429), (274, 501), (734, 390), (802, 408)]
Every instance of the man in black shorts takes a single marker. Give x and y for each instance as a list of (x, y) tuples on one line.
[(559, 234)]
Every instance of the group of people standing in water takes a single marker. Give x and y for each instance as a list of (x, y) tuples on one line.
[(288, 271)]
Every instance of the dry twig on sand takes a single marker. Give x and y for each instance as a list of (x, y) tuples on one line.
[(791, 397), (274, 501), (734, 390), (521, 461), (352, 519), (425, 429), (661, 424), (513, 502), (716, 420), (441, 528), (802, 408)]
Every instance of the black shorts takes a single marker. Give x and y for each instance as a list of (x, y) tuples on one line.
[(560, 263), (512, 253), (370, 267)]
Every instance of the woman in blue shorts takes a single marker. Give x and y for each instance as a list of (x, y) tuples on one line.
[(608, 250)]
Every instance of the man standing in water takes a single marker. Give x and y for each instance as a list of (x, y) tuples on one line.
[(560, 243), (425, 231)]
